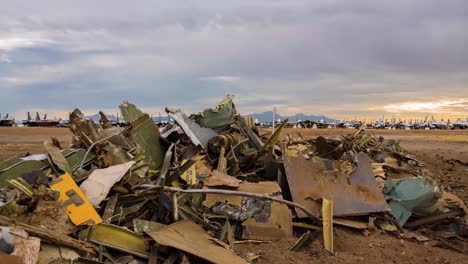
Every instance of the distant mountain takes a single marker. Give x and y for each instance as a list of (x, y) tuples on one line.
[(263, 117), (268, 117), (97, 117)]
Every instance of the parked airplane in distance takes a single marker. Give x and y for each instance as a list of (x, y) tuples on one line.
[(6, 121), (38, 122)]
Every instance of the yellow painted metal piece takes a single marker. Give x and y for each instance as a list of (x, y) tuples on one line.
[(274, 138), (79, 209), (176, 184), (327, 215), (190, 175), (117, 238)]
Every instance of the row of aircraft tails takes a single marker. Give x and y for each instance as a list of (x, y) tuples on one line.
[(419, 124), (382, 123), (6, 121), (30, 122), (379, 124)]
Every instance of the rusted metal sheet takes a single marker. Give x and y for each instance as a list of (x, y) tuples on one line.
[(353, 194), (277, 226), (191, 238)]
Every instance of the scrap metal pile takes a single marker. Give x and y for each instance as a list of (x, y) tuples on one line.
[(190, 192)]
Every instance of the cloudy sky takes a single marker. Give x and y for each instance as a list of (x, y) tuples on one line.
[(335, 57)]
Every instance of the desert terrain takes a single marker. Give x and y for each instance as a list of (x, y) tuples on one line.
[(445, 154)]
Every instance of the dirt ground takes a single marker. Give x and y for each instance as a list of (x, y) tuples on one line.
[(21, 140), (445, 154)]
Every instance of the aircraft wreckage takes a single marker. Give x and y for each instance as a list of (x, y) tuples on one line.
[(190, 191)]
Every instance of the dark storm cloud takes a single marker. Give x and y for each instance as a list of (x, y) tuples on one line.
[(324, 57)]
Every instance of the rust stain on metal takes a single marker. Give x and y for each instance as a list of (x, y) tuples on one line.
[(352, 195)]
